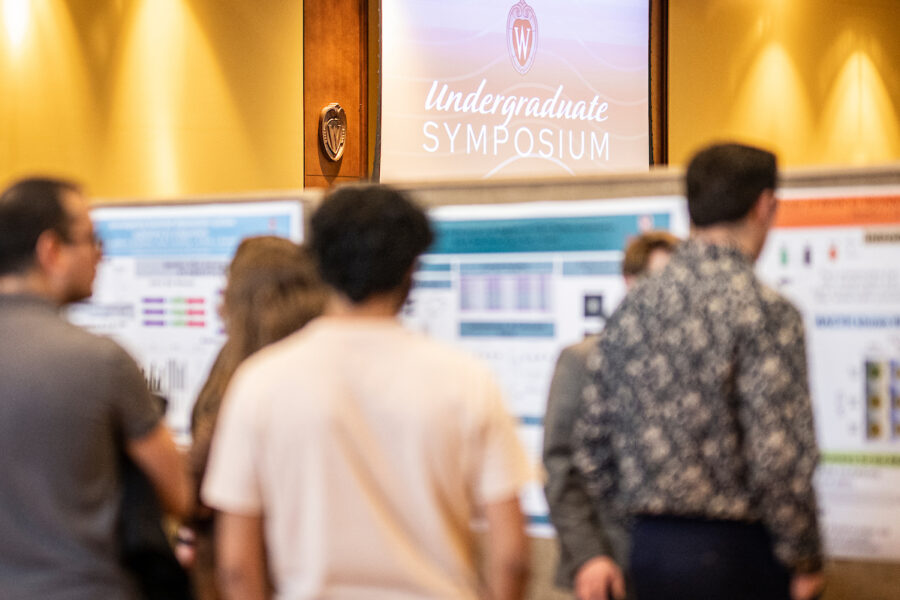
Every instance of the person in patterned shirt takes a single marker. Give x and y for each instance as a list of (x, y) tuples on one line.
[(698, 425)]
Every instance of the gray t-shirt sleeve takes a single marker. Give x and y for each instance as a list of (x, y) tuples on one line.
[(132, 404)]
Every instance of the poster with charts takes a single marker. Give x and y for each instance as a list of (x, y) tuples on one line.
[(836, 255), (160, 282), (513, 284), (513, 88)]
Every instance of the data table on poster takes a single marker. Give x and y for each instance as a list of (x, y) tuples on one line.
[(513, 284), (160, 282)]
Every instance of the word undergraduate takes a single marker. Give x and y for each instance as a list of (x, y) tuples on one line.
[(474, 102)]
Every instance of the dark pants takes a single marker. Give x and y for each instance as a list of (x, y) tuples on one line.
[(692, 559)]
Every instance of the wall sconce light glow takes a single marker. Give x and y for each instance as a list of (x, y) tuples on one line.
[(15, 19)]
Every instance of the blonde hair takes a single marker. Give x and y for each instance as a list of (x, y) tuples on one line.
[(639, 249)]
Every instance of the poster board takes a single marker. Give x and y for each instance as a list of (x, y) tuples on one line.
[(477, 89), (160, 282), (834, 252), (515, 283)]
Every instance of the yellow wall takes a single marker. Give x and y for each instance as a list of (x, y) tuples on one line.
[(816, 80), (163, 98), (153, 98)]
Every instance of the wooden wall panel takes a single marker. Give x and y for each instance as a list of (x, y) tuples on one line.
[(659, 81), (335, 69)]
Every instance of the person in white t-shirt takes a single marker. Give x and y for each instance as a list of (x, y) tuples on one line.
[(352, 457)]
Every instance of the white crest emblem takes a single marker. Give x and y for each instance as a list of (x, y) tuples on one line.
[(522, 36)]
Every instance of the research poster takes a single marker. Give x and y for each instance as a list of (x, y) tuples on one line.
[(513, 88), (513, 284), (160, 283), (836, 255)]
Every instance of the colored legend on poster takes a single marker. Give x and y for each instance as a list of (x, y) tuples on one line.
[(173, 312)]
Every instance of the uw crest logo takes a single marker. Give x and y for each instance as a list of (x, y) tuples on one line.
[(521, 36), (333, 130)]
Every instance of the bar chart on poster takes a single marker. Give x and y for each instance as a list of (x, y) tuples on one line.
[(513, 88), (835, 253), (159, 286), (515, 283)]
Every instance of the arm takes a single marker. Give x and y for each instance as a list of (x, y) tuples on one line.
[(572, 512), (507, 550), (146, 440), (779, 438), (155, 454), (240, 556)]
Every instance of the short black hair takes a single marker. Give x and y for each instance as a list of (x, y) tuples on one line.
[(724, 182), (29, 207), (365, 238)]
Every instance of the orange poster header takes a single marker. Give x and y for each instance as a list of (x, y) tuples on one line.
[(837, 212)]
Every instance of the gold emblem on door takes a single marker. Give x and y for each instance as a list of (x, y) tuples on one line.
[(333, 130)]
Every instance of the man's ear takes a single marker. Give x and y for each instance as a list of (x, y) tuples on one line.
[(46, 250), (766, 206)]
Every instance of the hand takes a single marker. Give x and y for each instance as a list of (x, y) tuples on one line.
[(807, 586), (185, 551), (600, 579)]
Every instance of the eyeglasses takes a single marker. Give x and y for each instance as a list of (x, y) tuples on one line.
[(93, 239)]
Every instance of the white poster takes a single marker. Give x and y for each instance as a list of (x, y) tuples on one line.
[(160, 282), (836, 255), (515, 283)]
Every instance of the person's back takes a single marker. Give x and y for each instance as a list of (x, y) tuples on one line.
[(359, 452), (676, 347), (387, 429)]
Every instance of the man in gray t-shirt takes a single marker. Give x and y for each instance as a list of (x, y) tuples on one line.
[(71, 404)]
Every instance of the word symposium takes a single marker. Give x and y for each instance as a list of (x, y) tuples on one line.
[(548, 142)]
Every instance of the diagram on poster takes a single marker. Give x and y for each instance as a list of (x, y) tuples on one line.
[(836, 255), (159, 286), (515, 283)]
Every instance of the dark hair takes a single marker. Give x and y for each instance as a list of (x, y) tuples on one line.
[(724, 182), (639, 249), (28, 208), (366, 237)]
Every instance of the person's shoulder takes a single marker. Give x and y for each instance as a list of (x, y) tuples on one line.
[(287, 353), (89, 346), (777, 305), (579, 351)]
